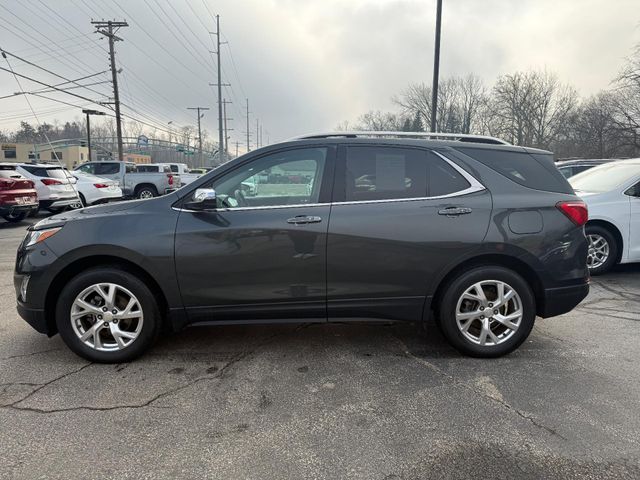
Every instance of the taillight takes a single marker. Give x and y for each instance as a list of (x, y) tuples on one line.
[(576, 211), (50, 181), (6, 184), (170, 179), (101, 185)]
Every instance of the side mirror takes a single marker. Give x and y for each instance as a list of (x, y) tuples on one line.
[(203, 199)]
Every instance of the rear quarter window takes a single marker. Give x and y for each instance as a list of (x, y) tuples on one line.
[(532, 170), (55, 172)]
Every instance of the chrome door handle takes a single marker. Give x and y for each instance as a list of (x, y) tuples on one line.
[(304, 219), (454, 211)]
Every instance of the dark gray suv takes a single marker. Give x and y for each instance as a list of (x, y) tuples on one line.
[(479, 235)]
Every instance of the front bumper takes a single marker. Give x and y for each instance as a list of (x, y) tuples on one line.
[(557, 301), (34, 317)]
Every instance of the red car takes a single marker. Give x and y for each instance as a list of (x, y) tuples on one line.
[(18, 197)]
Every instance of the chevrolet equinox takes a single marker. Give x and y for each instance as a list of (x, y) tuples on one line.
[(480, 235)]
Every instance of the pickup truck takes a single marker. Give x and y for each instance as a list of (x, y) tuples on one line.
[(134, 183), (183, 170)]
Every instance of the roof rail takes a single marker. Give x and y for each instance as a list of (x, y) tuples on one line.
[(461, 137)]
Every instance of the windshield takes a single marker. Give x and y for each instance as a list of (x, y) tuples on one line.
[(605, 177)]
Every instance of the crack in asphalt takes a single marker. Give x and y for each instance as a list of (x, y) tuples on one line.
[(149, 403), (43, 385), (620, 293), (30, 354), (465, 385)]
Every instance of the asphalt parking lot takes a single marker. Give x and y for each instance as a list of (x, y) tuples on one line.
[(328, 401)]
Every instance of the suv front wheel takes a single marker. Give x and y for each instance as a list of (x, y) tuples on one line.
[(487, 311), (107, 315)]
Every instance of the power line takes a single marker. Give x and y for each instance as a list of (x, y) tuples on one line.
[(50, 72), (50, 86)]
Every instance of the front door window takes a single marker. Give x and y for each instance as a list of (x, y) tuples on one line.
[(291, 177)]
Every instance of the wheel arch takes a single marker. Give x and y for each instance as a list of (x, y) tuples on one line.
[(614, 230), (506, 261), (84, 263)]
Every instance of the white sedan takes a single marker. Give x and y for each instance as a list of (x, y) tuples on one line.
[(94, 190), (612, 193)]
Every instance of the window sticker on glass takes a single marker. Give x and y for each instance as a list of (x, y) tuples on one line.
[(390, 172)]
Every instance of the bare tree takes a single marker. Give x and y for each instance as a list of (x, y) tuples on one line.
[(380, 121), (627, 101), (459, 100), (416, 101), (532, 108)]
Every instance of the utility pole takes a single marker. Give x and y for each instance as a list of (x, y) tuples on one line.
[(261, 144), (436, 69), (237, 146), (226, 130), (109, 29), (248, 132), (219, 85), (199, 129), (257, 133), (87, 113)]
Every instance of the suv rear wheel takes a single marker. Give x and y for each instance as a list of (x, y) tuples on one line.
[(107, 315), (603, 249), (487, 312)]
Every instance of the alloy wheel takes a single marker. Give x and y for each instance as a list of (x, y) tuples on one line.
[(106, 317), (489, 313), (598, 250), (146, 194)]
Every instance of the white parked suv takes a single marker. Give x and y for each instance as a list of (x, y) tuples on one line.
[(53, 184), (612, 193)]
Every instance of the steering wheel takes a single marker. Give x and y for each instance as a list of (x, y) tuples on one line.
[(240, 198)]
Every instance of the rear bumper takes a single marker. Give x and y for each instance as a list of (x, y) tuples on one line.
[(557, 301), (63, 202), (9, 209)]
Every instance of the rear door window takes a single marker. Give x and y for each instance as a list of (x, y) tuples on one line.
[(147, 168), (533, 170), (106, 168), (388, 173)]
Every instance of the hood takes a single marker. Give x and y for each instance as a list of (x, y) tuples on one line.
[(79, 214)]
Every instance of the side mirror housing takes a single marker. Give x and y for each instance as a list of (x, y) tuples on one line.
[(203, 199)]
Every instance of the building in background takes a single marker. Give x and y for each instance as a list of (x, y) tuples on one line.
[(69, 154)]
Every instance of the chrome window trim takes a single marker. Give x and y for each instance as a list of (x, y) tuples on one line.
[(474, 186)]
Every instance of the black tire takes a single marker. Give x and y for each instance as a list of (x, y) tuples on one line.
[(151, 324), (612, 243), (15, 217), (446, 311), (146, 191), (56, 210)]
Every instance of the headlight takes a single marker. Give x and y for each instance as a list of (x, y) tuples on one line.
[(37, 236)]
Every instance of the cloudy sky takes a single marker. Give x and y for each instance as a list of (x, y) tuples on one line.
[(305, 65)]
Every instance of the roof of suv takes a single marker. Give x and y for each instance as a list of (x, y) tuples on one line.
[(417, 138)]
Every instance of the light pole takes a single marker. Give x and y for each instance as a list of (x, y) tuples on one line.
[(88, 113), (170, 147), (436, 69)]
